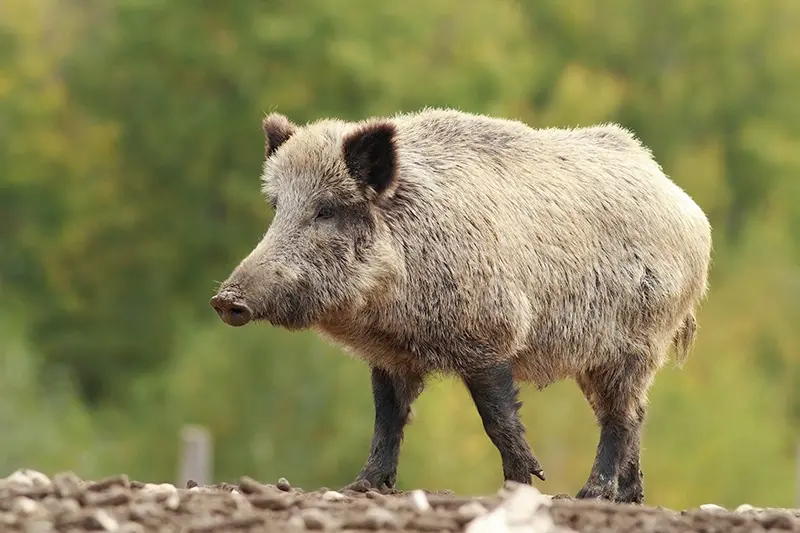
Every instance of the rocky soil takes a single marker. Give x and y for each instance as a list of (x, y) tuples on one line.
[(32, 502)]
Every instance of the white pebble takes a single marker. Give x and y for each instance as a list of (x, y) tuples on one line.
[(333, 496), (168, 487), (744, 508), (161, 487), (173, 501), (20, 479), (711, 507), (525, 510), (106, 520), (28, 477), (25, 505), (420, 500)]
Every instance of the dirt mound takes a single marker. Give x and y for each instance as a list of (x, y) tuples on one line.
[(31, 502)]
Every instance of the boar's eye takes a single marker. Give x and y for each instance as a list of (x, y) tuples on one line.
[(325, 212)]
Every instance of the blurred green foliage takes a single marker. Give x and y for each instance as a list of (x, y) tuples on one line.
[(130, 152)]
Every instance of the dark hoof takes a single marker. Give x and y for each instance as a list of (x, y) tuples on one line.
[(521, 471), (373, 480), (360, 485), (631, 488)]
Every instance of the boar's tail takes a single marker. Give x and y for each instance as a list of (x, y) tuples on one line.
[(684, 338)]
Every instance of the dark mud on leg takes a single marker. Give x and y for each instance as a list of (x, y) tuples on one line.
[(495, 395), (631, 480), (392, 397)]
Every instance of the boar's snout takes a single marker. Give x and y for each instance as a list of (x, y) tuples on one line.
[(231, 310)]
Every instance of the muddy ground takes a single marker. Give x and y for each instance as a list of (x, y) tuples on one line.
[(32, 502)]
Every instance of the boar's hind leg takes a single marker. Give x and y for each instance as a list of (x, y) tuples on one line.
[(392, 396), (495, 395), (617, 396)]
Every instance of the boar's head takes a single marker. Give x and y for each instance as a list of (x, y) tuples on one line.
[(329, 247)]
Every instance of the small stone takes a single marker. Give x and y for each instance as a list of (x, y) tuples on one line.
[(106, 521), (8, 519), (283, 484), (315, 519), (19, 479), (248, 485), (24, 505), (420, 501), (173, 501), (745, 507), (777, 520), (160, 488), (333, 496), (380, 518), (273, 503), (37, 479), (712, 507), (190, 484), (67, 484), (296, 522)]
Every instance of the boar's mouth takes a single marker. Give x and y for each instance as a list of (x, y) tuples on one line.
[(289, 311)]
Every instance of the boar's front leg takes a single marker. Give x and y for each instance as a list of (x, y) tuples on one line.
[(392, 396), (495, 395)]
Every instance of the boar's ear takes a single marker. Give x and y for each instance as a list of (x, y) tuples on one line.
[(277, 130), (371, 156)]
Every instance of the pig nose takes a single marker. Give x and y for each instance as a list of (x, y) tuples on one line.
[(232, 311)]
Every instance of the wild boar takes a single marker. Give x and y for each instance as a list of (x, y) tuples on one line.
[(452, 243)]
